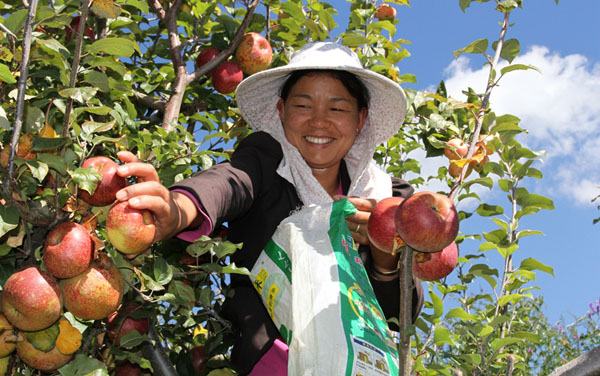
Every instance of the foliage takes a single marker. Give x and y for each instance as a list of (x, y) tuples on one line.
[(126, 80)]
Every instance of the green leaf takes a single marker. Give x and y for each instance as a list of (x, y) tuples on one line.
[(163, 273), (441, 336), (84, 365), (6, 75), (474, 359), (510, 49), (533, 264), (510, 298), (461, 314), (354, 40), (55, 162), (86, 178), (133, 339), (485, 331), (9, 219), (183, 293), (113, 46), (498, 343), (46, 143), (79, 94), (91, 127), (523, 233), (39, 170), (293, 9), (438, 304), (44, 340), (486, 210), (508, 250), (514, 67), (525, 199), (476, 47)]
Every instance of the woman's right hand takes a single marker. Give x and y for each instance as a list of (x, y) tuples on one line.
[(172, 211)]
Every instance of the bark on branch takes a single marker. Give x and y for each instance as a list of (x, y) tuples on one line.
[(587, 364)]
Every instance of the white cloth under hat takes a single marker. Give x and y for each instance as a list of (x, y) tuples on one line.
[(257, 98)]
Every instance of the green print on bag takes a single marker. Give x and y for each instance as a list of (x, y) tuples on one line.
[(331, 304)]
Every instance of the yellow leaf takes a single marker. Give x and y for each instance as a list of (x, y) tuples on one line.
[(106, 8), (48, 132), (200, 330), (69, 338)]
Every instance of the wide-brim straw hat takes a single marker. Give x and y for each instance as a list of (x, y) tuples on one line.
[(257, 95)]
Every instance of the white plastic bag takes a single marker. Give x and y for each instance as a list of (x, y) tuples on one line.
[(329, 315)]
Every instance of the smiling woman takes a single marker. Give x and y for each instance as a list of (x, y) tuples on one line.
[(316, 124)]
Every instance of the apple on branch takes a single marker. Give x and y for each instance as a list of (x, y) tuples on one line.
[(95, 293), (205, 56), (385, 12), (457, 149), (122, 322), (435, 266), (254, 53), (107, 188), (381, 227), (68, 251), (427, 221), (31, 299), (226, 77), (130, 230), (41, 360)]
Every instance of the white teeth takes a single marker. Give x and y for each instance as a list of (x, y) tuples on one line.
[(318, 140)]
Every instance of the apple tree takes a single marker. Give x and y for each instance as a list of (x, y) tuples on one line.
[(88, 79)]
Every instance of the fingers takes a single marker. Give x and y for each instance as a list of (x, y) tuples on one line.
[(359, 232), (146, 195), (358, 221), (127, 157)]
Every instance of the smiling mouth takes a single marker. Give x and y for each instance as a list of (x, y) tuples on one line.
[(318, 140)]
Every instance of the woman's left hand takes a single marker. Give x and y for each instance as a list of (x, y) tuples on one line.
[(357, 222)]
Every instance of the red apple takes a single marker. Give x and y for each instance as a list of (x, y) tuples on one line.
[(107, 188), (7, 337), (198, 354), (128, 369), (205, 56), (72, 28), (95, 293), (130, 230), (435, 266), (226, 77), (381, 228), (254, 53), (385, 11), (40, 360), (121, 322), (69, 250), (460, 149), (31, 299), (427, 221)]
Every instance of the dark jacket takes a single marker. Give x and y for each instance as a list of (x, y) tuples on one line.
[(253, 199)]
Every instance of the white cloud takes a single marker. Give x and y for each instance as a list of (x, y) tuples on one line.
[(559, 108)]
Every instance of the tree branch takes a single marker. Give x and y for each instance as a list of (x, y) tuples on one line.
[(587, 364), (405, 318)]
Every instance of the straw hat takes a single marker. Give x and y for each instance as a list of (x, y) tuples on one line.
[(258, 94)]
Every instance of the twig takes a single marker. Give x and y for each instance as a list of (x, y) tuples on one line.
[(484, 104), (405, 317)]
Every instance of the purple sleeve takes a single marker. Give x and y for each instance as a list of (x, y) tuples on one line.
[(206, 226)]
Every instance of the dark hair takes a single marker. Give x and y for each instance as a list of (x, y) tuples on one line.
[(353, 84)]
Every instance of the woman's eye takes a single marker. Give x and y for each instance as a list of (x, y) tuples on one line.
[(338, 109)]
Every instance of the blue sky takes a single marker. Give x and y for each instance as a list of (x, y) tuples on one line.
[(559, 108)]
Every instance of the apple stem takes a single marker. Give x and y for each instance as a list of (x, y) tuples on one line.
[(405, 316)]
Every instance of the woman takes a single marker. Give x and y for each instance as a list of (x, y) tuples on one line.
[(316, 124)]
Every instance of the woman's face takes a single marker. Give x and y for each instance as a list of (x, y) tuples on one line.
[(321, 119)]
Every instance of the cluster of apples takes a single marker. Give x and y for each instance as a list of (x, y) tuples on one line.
[(427, 222), (253, 54), (76, 278), (457, 150)]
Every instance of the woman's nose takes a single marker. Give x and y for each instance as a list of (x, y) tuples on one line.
[(319, 119)]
